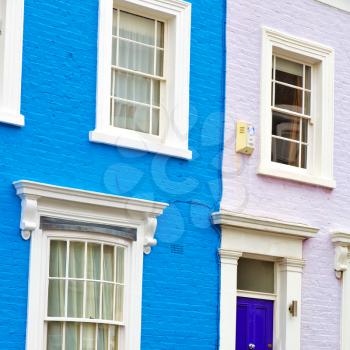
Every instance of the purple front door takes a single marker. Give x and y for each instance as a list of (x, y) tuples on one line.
[(254, 324)]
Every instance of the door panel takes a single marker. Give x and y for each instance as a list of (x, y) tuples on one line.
[(254, 323)]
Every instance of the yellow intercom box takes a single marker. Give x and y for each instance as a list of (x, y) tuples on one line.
[(245, 137)]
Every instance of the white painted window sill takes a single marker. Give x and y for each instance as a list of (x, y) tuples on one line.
[(13, 119), (137, 141), (340, 4), (283, 172)]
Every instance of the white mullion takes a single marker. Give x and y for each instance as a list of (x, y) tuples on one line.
[(81, 337), (85, 272), (96, 335), (285, 139), (101, 283), (67, 281), (274, 80), (290, 85), (304, 94), (112, 96), (118, 25), (131, 102), (300, 134), (114, 280), (138, 42), (289, 112), (64, 336)]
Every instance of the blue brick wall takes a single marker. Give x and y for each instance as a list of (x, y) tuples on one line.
[(181, 276)]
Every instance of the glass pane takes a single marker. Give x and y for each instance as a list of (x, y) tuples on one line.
[(92, 303), (136, 57), (58, 252), (142, 119), (119, 301), (107, 301), (255, 275), (94, 261), (304, 134), (76, 259), (288, 98), (304, 156), (75, 298), (307, 103), (115, 22), (285, 152), (54, 336), (308, 77), (89, 334), (156, 93), (108, 263), (289, 72), (120, 265), (132, 87), (155, 121), (102, 340), (285, 126), (72, 336), (160, 34), (113, 336), (159, 63), (114, 51), (137, 28), (56, 298)]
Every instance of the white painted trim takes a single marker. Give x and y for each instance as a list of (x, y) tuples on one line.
[(40, 199), (341, 4), (278, 241), (341, 241), (174, 118), (265, 225), (11, 41), (320, 164)]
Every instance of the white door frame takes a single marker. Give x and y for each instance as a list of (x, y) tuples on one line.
[(282, 243)]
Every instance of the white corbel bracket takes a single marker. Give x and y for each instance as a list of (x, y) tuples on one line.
[(29, 216), (150, 230), (341, 241)]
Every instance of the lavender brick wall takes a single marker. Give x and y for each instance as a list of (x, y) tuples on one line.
[(247, 192)]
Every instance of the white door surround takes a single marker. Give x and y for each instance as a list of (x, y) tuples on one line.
[(341, 241), (273, 239)]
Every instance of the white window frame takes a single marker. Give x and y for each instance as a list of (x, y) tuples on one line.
[(264, 239), (341, 4), (11, 42), (174, 116), (320, 152), (39, 200)]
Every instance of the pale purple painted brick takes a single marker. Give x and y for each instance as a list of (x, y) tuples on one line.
[(250, 193)]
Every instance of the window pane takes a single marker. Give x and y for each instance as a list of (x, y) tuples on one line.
[(136, 57), (307, 103), (120, 265), (285, 126), (119, 303), (288, 98), (108, 263), (75, 298), (72, 336), (54, 336), (113, 336), (137, 28), (102, 340), (159, 63), (76, 259), (255, 275), (156, 92), (304, 156), (132, 87), (155, 121), (58, 252), (289, 72), (56, 303), (94, 261), (131, 116), (107, 301), (114, 51), (304, 133), (160, 34), (92, 304), (285, 152), (89, 333), (308, 77), (115, 22)]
